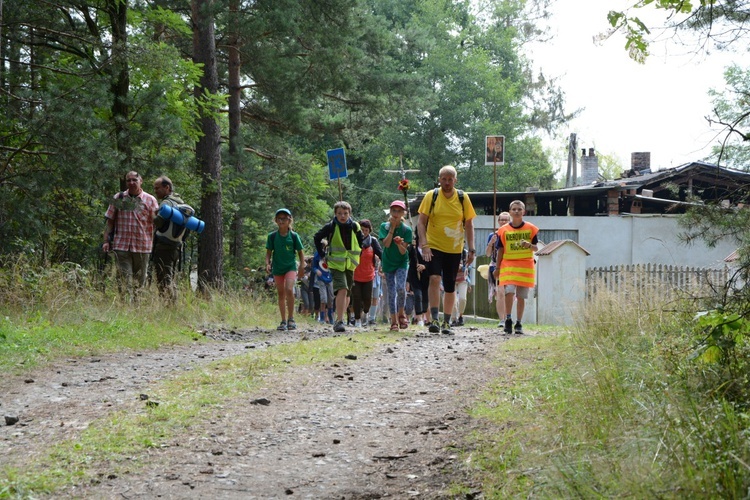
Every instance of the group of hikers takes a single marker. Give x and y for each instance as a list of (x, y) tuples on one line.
[(138, 232), (349, 258), (430, 262)]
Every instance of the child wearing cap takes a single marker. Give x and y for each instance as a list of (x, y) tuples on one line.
[(281, 247), (396, 237)]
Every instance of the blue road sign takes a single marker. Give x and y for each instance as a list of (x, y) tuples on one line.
[(336, 163)]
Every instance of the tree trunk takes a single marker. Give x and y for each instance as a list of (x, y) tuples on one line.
[(235, 144), (118, 16), (208, 152)]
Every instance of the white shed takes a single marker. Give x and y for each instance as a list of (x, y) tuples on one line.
[(561, 282)]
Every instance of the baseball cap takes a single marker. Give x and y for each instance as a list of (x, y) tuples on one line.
[(283, 211), (399, 204)]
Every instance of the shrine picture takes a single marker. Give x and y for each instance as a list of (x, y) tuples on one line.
[(495, 150)]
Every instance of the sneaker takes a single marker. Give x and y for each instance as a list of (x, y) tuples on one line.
[(460, 321), (518, 328), (508, 328), (420, 322), (357, 323), (446, 329), (291, 325), (372, 322), (454, 323), (339, 327), (282, 327), (433, 326)]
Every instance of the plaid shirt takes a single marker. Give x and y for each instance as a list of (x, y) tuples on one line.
[(134, 221)]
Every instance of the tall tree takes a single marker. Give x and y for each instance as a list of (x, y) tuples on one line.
[(208, 149)]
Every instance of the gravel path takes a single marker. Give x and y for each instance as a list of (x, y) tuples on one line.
[(388, 424)]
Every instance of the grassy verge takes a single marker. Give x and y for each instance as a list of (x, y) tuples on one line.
[(615, 408), (61, 319), (120, 442)]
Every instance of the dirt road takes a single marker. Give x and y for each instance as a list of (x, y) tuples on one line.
[(391, 423)]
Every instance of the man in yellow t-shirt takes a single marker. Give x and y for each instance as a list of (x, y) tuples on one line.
[(445, 216)]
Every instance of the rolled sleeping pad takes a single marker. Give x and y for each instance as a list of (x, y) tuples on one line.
[(170, 213)]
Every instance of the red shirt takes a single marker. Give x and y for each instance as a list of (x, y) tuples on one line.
[(365, 271), (134, 221)]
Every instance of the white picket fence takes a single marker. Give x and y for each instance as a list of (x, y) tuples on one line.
[(644, 279)]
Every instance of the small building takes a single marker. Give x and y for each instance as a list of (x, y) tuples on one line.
[(560, 282)]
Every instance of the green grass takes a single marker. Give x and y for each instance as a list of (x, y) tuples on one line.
[(59, 319), (616, 408), (29, 342), (120, 442)]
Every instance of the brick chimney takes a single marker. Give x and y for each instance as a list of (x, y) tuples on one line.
[(589, 167), (640, 161)]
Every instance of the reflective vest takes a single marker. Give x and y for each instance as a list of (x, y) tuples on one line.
[(517, 266), (339, 258)]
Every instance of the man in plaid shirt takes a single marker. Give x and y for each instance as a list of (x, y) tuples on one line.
[(131, 217)]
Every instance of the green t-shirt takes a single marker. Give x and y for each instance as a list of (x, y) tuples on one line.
[(392, 258), (284, 248)]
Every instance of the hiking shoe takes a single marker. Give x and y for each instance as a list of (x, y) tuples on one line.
[(291, 325), (282, 327), (446, 329), (433, 326), (460, 321), (508, 326), (518, 328), (339, 327)]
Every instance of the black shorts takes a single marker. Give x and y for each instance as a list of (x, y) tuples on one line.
[(445, 265)]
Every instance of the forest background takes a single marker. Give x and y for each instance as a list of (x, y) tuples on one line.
[(238, 102)]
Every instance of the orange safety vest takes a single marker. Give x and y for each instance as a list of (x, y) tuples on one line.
[(517, 266)]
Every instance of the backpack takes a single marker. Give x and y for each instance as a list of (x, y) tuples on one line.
[(171, 233), (434, 199)]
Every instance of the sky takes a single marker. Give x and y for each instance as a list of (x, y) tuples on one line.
[(657, 107)]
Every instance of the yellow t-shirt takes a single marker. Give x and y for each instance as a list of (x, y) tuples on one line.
[(445, 229)]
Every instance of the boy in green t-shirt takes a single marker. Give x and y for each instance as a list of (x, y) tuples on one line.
[(281, 246), (396, 236)]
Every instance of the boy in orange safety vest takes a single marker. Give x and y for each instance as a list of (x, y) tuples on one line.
[(518, 242)]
